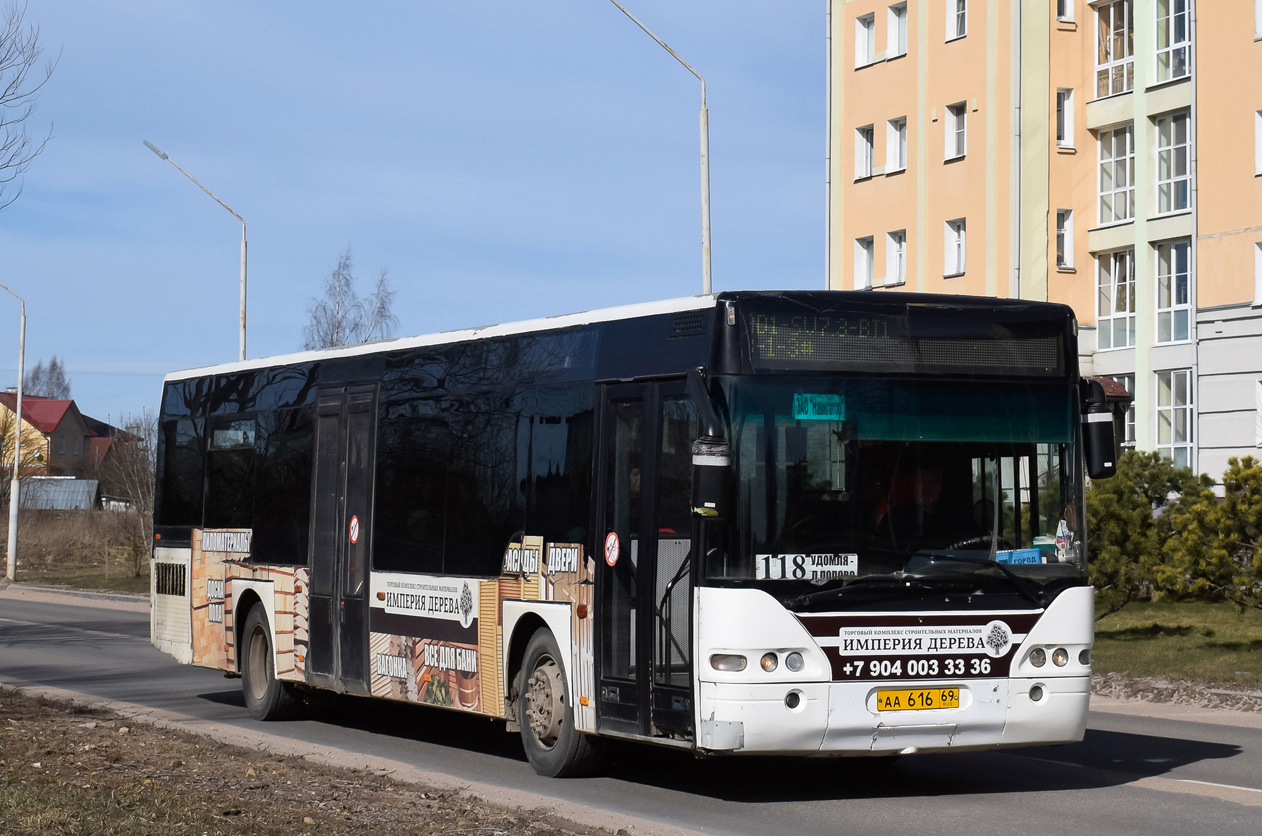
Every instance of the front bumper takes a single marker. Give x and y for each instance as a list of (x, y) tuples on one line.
[(841, 718)]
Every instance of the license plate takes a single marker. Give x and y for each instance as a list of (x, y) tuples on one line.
[(917, 699)]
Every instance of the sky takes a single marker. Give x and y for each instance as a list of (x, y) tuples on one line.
[(500, 160)]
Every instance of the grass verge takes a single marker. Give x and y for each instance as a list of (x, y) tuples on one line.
[(1176, 641), (90, 578)]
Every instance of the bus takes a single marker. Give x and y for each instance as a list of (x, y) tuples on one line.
[(808, 523)]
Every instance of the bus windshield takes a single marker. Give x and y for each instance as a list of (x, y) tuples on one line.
[(841, 479)]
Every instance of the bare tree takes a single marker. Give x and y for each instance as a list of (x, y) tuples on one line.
[(379, 318), (128, 474), (342, 317), (20, 83), (47, 381), (30, 460)]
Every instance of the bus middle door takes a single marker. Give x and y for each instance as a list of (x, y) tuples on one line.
[(341, 525), (644, 576)]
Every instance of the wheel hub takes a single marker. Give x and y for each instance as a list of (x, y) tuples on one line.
[(256, 663), (544, 705)]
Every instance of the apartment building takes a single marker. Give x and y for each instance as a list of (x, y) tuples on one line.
[(1105, 155)]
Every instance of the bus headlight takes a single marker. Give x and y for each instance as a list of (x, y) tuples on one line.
[(794, 661), (769, 662), (1060, 657), (1038, 657), (728, 662)]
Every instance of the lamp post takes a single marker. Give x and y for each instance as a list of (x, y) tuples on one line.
[(166, 157), (11, 565), (705, 153)]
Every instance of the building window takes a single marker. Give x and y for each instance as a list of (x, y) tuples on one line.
[(863, 252), (1065, 10), (896, 144), (1174, 39), (1174, 312), (1257, 270), (863, 152), (1174, 148), (896, 33), (953, 249), (956, 131), (864, 40), (1257, 397), (1128, 423), (1065, 239), (1115, 305), (1174, 416), (1117, 176), (1115, 53), (1065, 118), (1257, 141), (957, 19), (896, 257)]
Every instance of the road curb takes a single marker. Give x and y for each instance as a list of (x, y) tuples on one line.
[(1177, 711)]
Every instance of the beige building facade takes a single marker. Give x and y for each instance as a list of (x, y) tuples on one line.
[(1105, 155)]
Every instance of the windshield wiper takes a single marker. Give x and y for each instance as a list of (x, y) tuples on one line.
[(890, 581), (1020, 584)]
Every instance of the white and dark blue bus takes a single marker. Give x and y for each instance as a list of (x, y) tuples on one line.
[(806, 523)]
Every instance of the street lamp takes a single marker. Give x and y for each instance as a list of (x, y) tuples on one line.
[(705, 153), (11, 565), (164, 156)]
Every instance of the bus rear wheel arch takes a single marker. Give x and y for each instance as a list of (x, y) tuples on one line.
[(266, 697), (554, 745)]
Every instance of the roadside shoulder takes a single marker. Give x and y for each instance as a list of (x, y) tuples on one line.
[(75, 597), (1177, 711)]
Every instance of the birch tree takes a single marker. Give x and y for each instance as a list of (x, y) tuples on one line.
[(21, 79), (342, 317)]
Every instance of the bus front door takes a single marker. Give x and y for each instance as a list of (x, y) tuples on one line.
[(341, 528), (644, 579)]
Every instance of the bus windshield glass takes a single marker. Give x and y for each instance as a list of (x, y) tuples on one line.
[(838, 480)]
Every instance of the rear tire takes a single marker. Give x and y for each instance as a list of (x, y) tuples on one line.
[(266, 697), (554, 746)]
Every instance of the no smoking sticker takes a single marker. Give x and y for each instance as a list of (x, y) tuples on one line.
[(354, 530), (611, 548)]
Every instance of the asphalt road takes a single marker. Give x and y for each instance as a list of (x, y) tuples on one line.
[(1131, 775)]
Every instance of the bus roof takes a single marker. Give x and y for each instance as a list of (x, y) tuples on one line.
[(666, 306)]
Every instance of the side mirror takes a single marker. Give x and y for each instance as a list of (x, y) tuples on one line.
[(1098, 435), (711, 458)]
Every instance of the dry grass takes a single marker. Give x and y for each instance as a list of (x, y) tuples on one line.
[(84, 549)]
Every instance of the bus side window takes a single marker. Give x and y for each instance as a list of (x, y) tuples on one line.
[(181, 474), (230, 460), (674, 505)]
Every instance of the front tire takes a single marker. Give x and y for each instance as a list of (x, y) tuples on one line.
[(554, 746), (266, 697)]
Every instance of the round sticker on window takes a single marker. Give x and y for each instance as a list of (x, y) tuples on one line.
[(611, 548), (354, 530)]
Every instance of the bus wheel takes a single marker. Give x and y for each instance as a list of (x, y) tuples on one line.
[(267, 697), (554, 747)]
